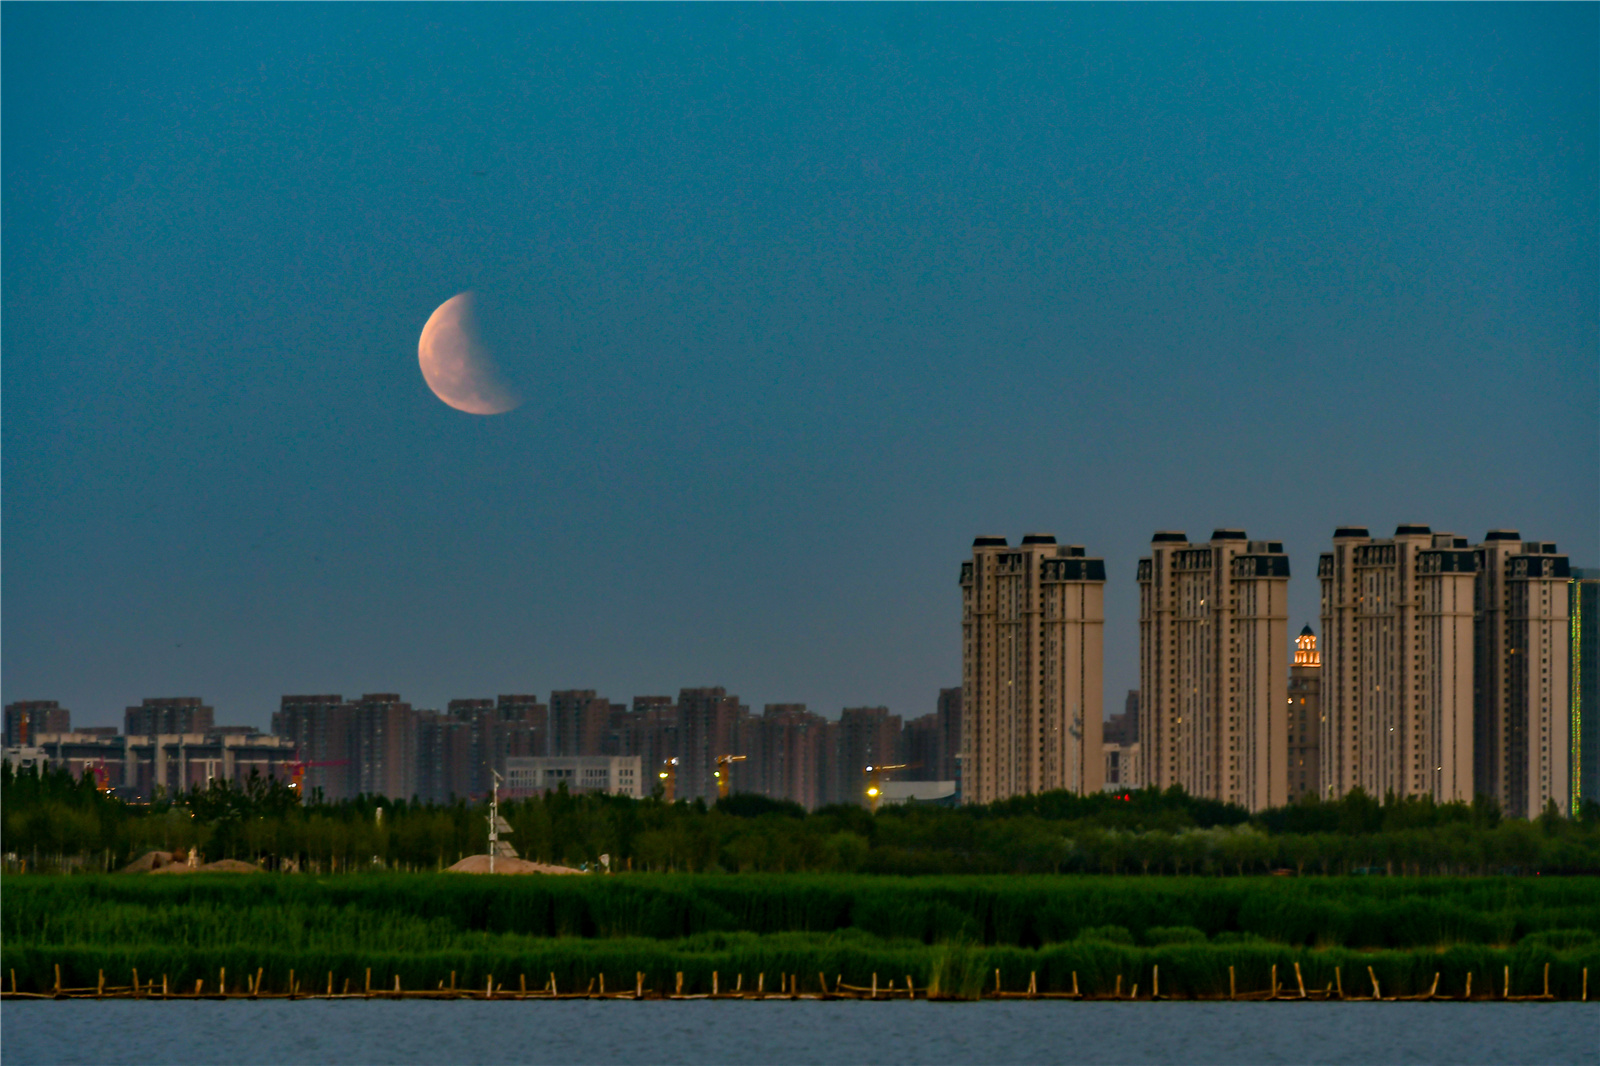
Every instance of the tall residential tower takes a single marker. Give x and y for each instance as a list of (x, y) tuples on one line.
[(1032, 633), (1213, 667), (1397, 629)]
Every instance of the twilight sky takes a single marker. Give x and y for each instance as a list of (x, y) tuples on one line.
[(804, 299)]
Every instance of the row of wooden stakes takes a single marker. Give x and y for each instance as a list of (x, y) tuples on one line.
[(788, 987)]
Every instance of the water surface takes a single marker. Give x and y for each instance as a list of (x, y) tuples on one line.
[(653, 1032)]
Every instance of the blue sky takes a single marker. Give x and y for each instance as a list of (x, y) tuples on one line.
[(803, 299)]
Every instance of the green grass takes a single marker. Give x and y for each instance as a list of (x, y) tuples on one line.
[(952, 931)]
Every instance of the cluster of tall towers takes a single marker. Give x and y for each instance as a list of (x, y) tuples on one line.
[(1445, 670)]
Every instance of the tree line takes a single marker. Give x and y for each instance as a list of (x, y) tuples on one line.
[(54, 821)]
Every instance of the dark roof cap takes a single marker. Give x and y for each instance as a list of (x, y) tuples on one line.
[(1228, 534), (1410, 530), (1306, 632), (988, 542), (1038, 538), (1502, 534), (1350, 531), (1168, 536)]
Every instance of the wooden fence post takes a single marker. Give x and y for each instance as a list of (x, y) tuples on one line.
[(1233, 987), (1376, 992), (1155, 981), (1299, 980)]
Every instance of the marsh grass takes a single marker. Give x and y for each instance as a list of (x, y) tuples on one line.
[(950, 933)]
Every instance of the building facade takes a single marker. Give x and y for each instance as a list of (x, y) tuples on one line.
[(1583, 664), (1213, 667), (182, 714), (1305, 718), (25, 720), (1397, 655), (612, 775), (1032, 638), (1522, 734)]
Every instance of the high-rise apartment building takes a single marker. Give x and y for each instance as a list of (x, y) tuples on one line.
[(1583, 659), (1397, 654), (791, 753), (1305, 717), (949, 716), (1213, 667), (322, 730), (1032, 633), (385, 732), (25, 720), (154, 717), (708, 726), (1522, 737), (868, 736), (445, 756), (578, 722)]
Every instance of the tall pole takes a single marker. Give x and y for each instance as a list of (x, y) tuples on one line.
[(494, 819)]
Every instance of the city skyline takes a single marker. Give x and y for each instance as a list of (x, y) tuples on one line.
[(798, 301)]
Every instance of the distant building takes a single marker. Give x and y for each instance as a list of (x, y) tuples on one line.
[(1213, 667), (1583, 612), (26, 719), (143, 767), (321, 728), (792, 757), (650, 731), (1305, 717), (1032, 634), (936, 793), (385, 746), (183, 714), (949, 715), (1123, 728), (708, 726), (616, 775), (445, 756), (868, 736), (1122, 766), (578, 722)]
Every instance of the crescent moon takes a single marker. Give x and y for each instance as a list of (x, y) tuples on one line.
[(458, 366)]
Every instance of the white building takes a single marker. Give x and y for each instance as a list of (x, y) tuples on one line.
[(1122, 767), (616, 775)]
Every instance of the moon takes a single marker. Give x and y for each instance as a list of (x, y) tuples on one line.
[(456, 363)]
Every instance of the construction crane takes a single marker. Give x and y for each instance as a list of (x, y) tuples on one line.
[(874, 776), (297, 774), (724, 773), (669, 778)]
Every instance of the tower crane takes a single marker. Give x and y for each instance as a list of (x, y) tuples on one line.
[(724, 773), (297, 774), (874, 776), (669, 778)]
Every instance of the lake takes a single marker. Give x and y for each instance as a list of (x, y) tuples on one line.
[(701, 1032)]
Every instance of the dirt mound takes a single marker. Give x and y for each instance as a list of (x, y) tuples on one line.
[(479, 864), (151, 861), (221, 866)]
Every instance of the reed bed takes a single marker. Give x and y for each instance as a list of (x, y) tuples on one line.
[(1024, 912), (950, 934)]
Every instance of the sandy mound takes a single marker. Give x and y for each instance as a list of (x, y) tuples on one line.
[(151, 861), (479, 864), (229, 866), (221, 866)]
